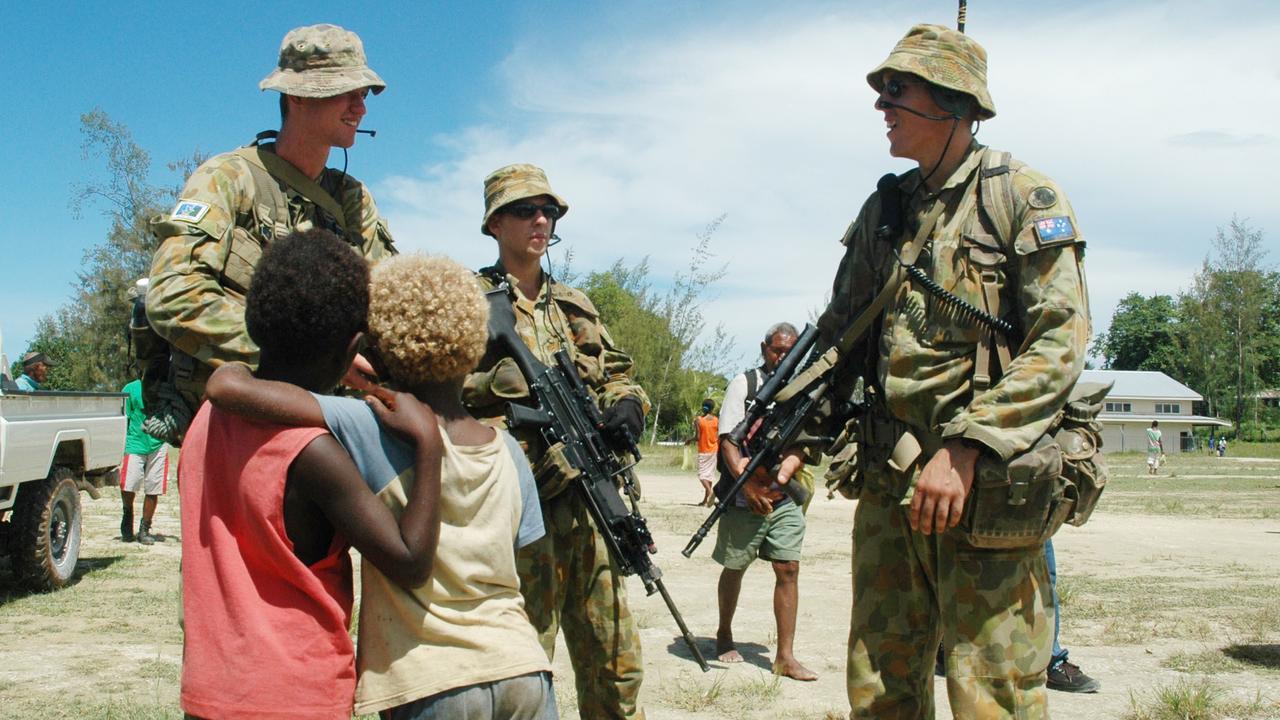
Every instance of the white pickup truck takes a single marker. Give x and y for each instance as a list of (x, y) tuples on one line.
[(51, 445)]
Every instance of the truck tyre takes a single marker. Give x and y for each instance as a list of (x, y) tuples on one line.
[(46, 531)]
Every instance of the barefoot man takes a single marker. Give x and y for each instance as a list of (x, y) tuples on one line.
[(761, 522)]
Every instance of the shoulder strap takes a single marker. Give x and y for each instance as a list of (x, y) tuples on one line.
[(996, 193), (753, 382), (264, 185), (860, 324), (285, 172)]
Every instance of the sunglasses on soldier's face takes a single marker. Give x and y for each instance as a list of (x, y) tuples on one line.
[(895, 86), (524, 211)]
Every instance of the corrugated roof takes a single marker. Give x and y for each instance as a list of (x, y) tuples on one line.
[(1106, 417), (1141, 384)]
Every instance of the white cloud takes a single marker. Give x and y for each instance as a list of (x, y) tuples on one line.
[(768, 120)]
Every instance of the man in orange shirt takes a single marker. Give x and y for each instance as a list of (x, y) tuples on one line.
[(708, 428)]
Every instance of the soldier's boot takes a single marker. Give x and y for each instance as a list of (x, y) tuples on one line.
[(126, 526), (144, 533)]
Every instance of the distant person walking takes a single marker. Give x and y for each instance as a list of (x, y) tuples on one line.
[(1222, 446), (707, 426), (1155, 448)]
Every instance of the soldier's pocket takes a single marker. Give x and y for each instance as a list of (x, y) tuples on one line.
[(242, 257), (1018, 504)]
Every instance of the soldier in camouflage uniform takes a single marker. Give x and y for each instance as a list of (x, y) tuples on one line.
[(236, 203), (568, 578), (1004, 239)]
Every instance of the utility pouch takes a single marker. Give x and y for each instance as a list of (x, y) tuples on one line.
[(843, 474), (553, 472), (1080, 437), (1018, 504)]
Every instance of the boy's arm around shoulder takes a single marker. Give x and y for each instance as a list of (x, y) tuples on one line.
[(232, 388), (402, 550)]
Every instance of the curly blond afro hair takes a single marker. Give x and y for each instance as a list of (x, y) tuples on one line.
[(428, 317)]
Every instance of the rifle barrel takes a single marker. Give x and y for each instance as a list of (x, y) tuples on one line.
[(684, 629)]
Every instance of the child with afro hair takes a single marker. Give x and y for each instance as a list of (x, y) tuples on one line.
[(460, 644), (269, 511)]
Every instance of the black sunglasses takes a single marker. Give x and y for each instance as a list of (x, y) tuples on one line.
[(896, 86), (524, 211)]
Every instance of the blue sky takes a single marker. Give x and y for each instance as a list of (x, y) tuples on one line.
[(653, 119)]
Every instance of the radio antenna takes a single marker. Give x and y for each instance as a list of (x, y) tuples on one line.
[(964, 8)]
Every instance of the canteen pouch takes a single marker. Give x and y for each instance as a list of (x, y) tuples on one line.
[(1018, 504), (1080, 438)]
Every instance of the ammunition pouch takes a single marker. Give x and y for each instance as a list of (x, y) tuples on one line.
[(1016, 504), (553, 472), (1022, 503), (843, 475)]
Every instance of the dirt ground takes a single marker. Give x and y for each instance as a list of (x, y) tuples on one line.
[(1150, 601)]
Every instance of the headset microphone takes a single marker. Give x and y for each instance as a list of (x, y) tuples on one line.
[(885, 105), (370, 133), (555, 240)]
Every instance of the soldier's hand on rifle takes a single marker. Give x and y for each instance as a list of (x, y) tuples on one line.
[(942, 488), (627, 413)]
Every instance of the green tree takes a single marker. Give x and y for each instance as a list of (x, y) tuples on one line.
[(87, 336), (1141, 335), (1227, 333), (663, 332)]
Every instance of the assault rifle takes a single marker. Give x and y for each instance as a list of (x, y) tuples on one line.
[(778, 427), (566, 413)]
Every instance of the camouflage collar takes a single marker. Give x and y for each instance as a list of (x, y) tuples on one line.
[(911, 181)]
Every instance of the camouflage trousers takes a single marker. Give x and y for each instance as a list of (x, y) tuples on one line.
[(991, 612), (569, 581)]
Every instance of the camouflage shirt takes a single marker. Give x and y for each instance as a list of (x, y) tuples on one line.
[(213, 238), (924, 356), (545, 327)]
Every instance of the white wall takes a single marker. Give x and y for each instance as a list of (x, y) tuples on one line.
[(1132, 436)]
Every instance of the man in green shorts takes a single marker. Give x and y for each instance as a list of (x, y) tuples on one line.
[(761, 522)]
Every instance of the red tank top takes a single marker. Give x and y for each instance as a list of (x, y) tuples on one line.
[(266, 635)]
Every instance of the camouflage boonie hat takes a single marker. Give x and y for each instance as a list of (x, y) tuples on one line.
[(944, 57), (320, 61), (515, 182)]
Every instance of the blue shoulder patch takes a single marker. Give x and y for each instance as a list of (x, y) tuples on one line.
[(1053, 230), (191, 211)]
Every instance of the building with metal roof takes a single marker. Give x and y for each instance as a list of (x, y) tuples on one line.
[(1139, 397)]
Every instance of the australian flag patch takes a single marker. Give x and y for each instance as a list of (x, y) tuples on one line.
[(1053, 230)]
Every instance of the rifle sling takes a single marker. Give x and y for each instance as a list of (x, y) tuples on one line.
[(862, 323), (284, 171)]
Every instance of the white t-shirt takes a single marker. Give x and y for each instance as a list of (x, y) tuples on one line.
[(732, 412)]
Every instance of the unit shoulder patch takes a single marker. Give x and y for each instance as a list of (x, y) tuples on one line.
[(1042, 198), (189, 211), (1055, 230)]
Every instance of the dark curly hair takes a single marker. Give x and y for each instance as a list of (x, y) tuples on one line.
[(308, 298)]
